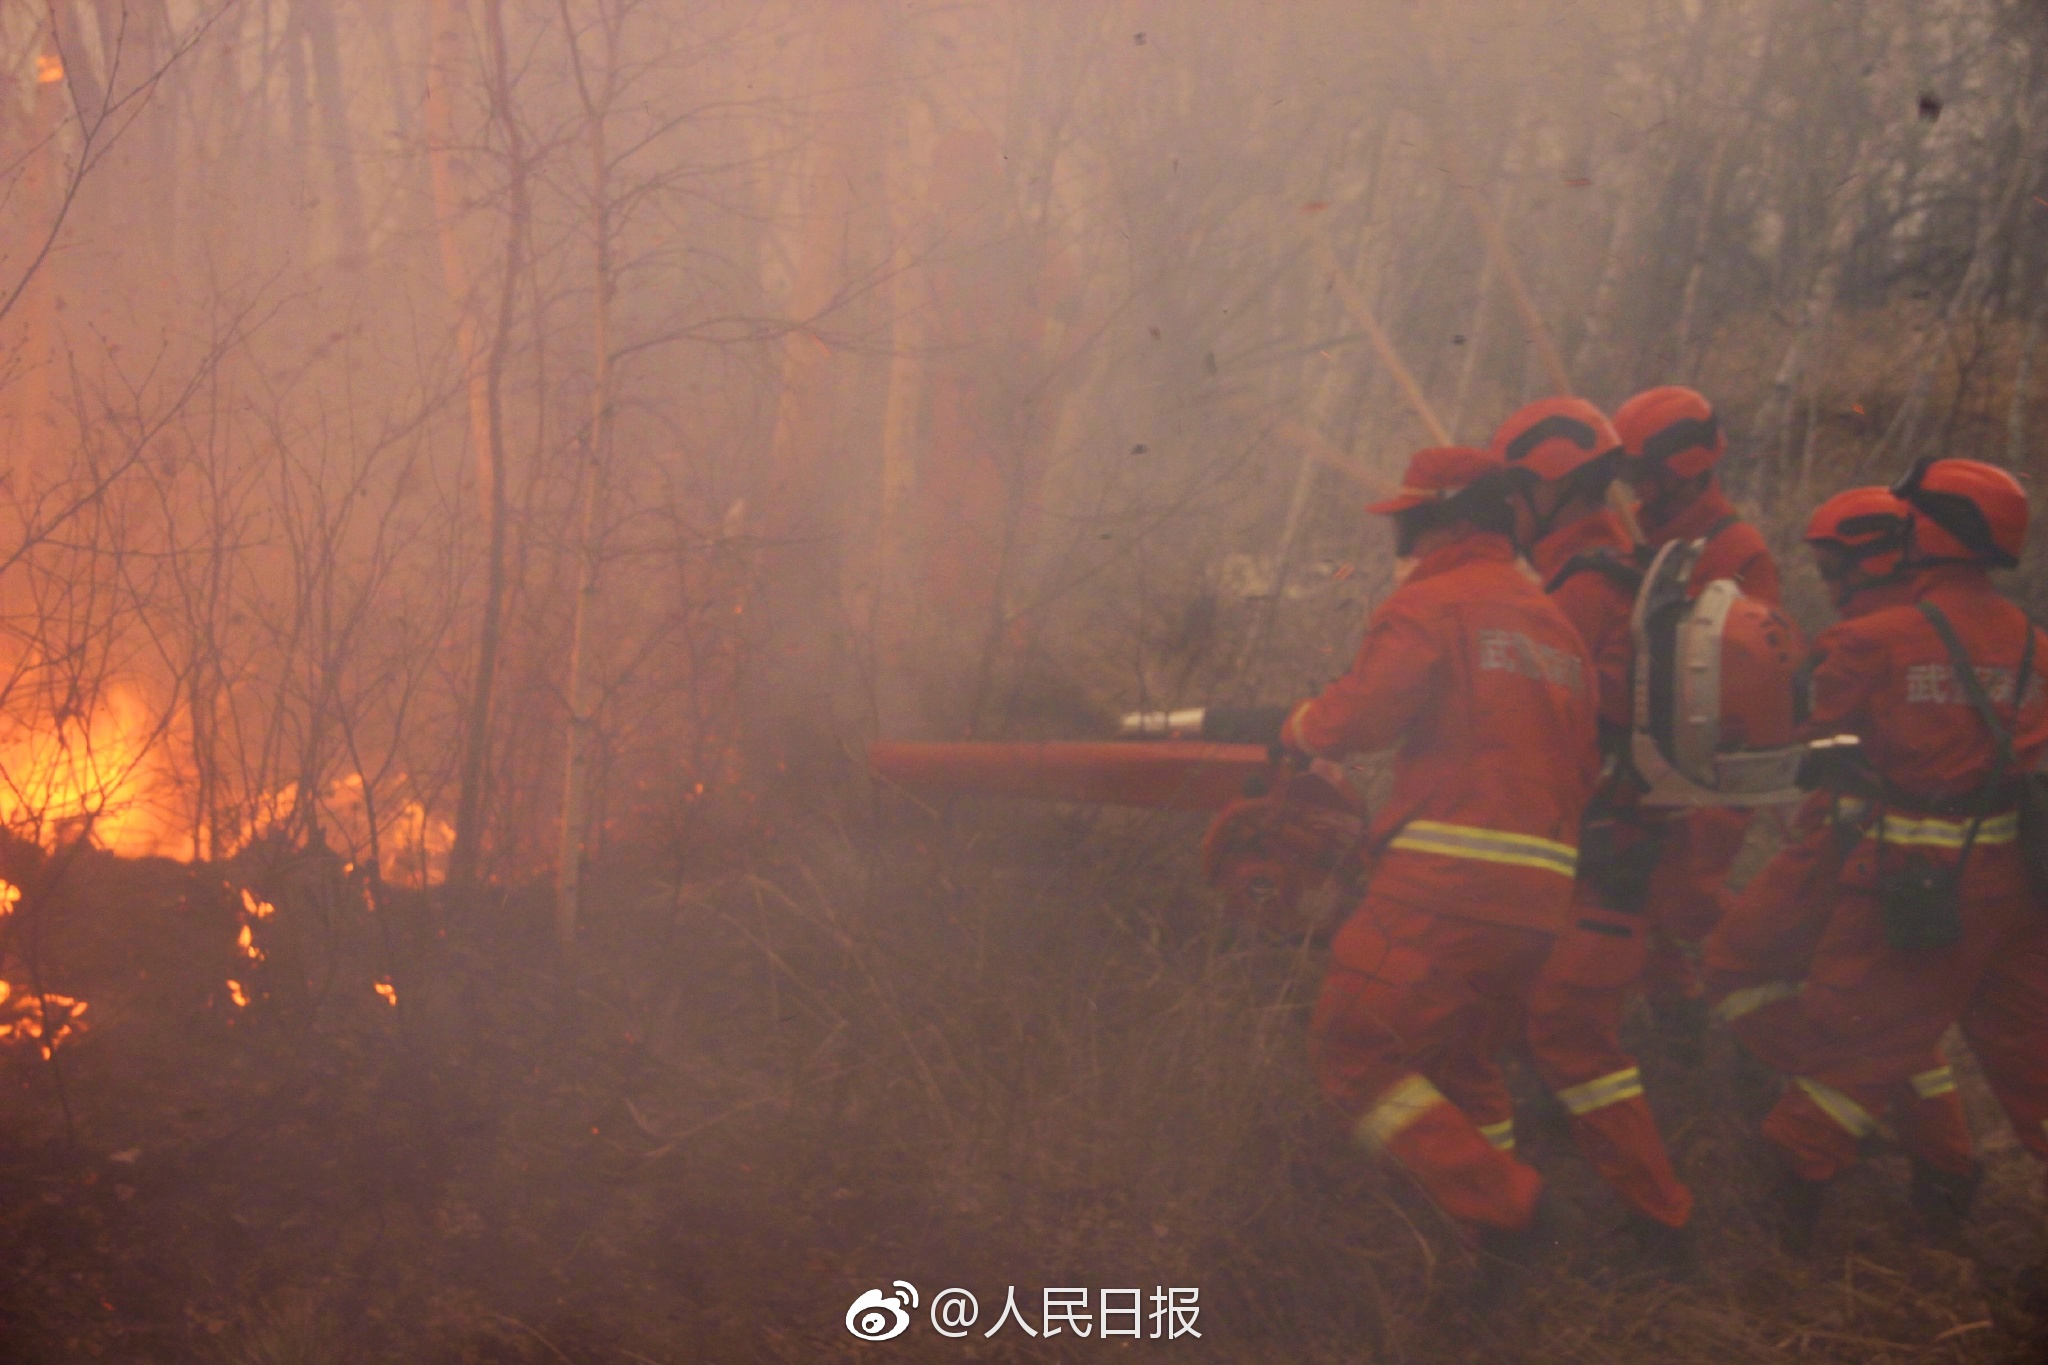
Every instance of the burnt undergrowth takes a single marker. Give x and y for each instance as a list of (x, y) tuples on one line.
[(1006, 1047)]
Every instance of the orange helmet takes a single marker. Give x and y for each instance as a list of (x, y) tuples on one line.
[(1555, 437), (1867, 525), (1963, 510), (1437, 474), (1671, 429)]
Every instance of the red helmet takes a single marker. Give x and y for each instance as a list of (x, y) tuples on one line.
[(1555, 437), (1963, 510), (1437, 474), (1868, 525), (1673, 429)]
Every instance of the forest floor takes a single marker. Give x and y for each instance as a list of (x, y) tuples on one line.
[(1012, 1049)]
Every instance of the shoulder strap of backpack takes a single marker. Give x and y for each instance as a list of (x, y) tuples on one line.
[(1604, 562), (1973, 686)]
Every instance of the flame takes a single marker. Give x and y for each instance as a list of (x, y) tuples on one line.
[(235, 994), (107, 767), (247, 943), (256, 909), (49, 68), (29, 1016), (412, 842), (390, 994)]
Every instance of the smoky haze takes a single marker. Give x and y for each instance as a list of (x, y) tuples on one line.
[(478, 473)]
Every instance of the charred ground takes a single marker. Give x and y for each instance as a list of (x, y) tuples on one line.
[(1009, 1047)]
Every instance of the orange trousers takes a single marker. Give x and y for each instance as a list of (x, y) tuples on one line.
[(1686, 890), (1574, 1031), (1414, 1009), (1754, 968), (1858, 1034)]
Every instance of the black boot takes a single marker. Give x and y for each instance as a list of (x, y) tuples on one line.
[(1943, 1198), (1507, 1256), (1658, 1249), (1682, 1023), (1799, 1202)]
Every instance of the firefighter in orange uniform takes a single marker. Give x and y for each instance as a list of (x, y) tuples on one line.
[(1766, 940), (1934, 920), (1568, 454), (1672, 442), (1485, 692)]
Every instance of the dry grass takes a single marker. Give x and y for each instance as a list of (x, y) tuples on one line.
[(1008, 1046), (1016, 1049)]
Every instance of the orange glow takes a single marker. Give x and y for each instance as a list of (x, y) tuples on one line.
[(246, 942), (254, 908), (10, 896), (108, 767), (412, 842), (235, 994), (389, 992)]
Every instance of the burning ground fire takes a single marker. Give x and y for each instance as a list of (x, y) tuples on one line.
[(112, 776), (49, 1018), (253, 910), (109, 775)]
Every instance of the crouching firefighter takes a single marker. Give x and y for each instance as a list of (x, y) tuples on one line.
[(1485, 692), (1567, 454), (1934, 920), (1672, 445), (1765, 943)]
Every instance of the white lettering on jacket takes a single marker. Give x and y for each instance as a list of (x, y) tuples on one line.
[(1510, 651), (1935, 684)]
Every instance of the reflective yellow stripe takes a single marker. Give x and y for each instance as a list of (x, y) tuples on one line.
[(1598, 1094), (1839, 1107), (1501, 1135), (1930, 1084), (1753, 998), (1996, 829), (1399, 1107), (1487, 846)]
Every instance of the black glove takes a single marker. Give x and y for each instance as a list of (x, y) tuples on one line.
[(1244, 724), (1835, 765)]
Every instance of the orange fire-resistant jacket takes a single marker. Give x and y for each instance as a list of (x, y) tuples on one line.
[(1488, 692), (1886, 678), (1735, 551), (1596, 603)]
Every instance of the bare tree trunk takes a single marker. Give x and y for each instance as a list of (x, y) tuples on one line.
[(1993, 214), (2022, 379), (1621, 254), (316, 17), (578, 742), (1696, 268), (30, 424), (485, 370), (896, 552)]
